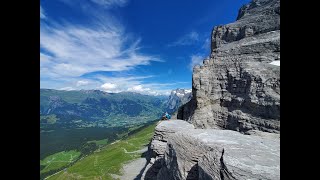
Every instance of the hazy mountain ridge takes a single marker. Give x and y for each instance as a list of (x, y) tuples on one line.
[(88, 106)]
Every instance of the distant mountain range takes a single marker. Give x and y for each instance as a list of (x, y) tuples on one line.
[(91, 108), (97, 108)]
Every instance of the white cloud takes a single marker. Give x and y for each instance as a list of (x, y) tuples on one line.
[(136, 84), (148, 91), (138, 88), (109, 87), (67, 88), (187, 39), (195, 60), (111, 3), (42, 14), (115, 84), (82, 83)]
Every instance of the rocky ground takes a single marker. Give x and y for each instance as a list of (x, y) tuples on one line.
[(179, 151)]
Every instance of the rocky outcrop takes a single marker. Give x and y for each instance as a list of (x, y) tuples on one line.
[(158, 145), (238, 87), (182, 152)]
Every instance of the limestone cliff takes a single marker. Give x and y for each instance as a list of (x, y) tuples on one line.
[(238, 88)]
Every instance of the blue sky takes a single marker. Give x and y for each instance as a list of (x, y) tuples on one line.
[(145, 46)]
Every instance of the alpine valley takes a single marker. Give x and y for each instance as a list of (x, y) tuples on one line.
[(75, 123)]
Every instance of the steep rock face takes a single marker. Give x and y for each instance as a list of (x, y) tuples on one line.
[(158, 145), (238, 88), (177, 98), (182, 152)]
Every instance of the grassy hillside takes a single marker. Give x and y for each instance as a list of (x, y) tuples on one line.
[(108, 160), (62, 139), (58, 160)]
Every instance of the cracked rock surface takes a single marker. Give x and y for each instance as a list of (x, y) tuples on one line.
[(188, 153)]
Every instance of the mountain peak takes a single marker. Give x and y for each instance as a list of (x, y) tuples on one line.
[(177, 98)]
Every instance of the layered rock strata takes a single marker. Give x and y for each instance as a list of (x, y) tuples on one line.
[(182, 152), (238, 87)]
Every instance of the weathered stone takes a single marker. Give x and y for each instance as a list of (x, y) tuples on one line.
[(165, 128), (213, 154), (238, 88), (158, 145), (222, 154)]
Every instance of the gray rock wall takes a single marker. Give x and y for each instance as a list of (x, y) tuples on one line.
[(238, 88)]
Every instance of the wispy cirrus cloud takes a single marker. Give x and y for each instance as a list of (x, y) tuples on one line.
[(72, 50), (42, 14), (207, 45), (76, 56), (204, 50), (195, 60), (82, 83), (187, 39), (111, 3)]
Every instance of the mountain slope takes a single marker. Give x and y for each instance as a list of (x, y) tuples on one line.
[(97, 108), (108, 161)]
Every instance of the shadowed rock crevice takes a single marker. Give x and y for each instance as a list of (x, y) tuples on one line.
[(193, 173), (224, 173), (152, 172)]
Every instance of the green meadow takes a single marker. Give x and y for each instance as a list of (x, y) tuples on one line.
[(99, 142), (109, 159), (58, 160)]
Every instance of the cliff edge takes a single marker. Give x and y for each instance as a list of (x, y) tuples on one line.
[(179, 151)]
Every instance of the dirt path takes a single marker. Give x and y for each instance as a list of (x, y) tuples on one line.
[(138, 151), (132, 169)]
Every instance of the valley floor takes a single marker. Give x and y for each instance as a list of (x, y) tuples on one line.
[(122, 159)]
